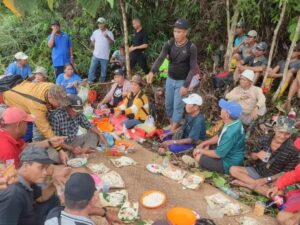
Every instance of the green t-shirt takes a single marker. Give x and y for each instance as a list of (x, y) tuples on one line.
[(231, 145), (163, 69)]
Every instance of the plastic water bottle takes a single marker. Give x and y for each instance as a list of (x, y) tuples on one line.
[(230, 192), (165, 163)]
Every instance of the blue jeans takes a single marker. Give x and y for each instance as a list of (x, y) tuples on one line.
[(130, 123), (94, 63), (173, 101)]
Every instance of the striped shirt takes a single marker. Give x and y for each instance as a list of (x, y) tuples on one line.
[(285, 158), (69, 219)]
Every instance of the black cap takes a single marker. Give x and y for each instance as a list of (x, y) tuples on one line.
[(35, 154), (55, 22), (182, 24), (262, 46), (76, 103), (80, 187), (119, 72)]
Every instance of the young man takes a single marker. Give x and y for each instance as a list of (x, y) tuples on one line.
[(250, 97), (66, 122), (62, 49), (24, 202), (230, 143), (19, 67), (183, 62), (13, 126), (257, 63), (118, 91), (118, 57), (290, 214), (272, 155), (80, 203), (101, 39), (240, 35), (139, 45), (193, 129)]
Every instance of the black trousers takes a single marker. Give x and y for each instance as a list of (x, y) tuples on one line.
[(140, 59)]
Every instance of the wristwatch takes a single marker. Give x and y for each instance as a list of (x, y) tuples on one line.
[(269, 180)]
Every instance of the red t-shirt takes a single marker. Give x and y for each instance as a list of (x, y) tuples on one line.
[(10, 147)]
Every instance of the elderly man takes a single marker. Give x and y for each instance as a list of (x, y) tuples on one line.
[(230, 143), (250, 97), (40, 74), (19, 67), (101, 39), (61, 46), (272, 155), (24, 202)]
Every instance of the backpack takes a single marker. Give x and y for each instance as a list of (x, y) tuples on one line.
[(8, 82), (171, 43)]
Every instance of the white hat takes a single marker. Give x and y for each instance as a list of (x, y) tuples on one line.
[(21, 55), (40, 70), (252, 33), (101, 20), (249, 74), (193, 99)]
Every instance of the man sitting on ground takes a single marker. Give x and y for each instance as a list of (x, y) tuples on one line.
[(118, 91), (250, 97), (80, 203), (40, 74), (66, 122), (13, 126), (24, 202), (257, 63), (19, 67), (272, 155), (290, 214), (118, 57), (193, 128), (230, 143)]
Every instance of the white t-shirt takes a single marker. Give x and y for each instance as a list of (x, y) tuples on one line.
[(102, 47)]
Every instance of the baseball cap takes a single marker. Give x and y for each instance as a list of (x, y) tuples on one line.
[(36, 154), (55, 22), (21, 55), (137, 79), (182, 24), (249, 74), (41, 70), (12, 115), (252, 33), (234, 109), (262, 46), (59, 94), (75, 103), (101, 20), (285, 124), (119, 72), (240, 24), (193, 99), (80, 187)]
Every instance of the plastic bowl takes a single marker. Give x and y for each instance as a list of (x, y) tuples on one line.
[(181, 216)]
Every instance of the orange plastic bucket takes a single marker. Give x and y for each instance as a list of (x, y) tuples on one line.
[(181, 216), (92, 96)]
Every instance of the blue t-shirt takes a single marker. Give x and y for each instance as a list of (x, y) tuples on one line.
[(61, 49), (231, 145), (238, 40), (194, 127), (14, 69), (68, 83)]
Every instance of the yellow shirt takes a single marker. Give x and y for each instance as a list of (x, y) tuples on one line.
[(38, 90)]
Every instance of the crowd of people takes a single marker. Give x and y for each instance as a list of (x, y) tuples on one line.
[(40, 122)]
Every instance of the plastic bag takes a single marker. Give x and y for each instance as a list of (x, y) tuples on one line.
[(150, 121), (83, 93)]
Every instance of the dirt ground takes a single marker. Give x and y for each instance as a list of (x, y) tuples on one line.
[(138, 180)]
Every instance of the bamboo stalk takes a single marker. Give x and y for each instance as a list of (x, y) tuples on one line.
[(272, 48), (286, 66)]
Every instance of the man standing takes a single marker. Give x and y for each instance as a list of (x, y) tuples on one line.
[(61, 45), (139, 44), (20, 66), (101, 39), (183, 62)]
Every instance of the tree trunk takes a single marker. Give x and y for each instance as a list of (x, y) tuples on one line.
[(286, 66), (127, 59), (230, 33), (283, 10)]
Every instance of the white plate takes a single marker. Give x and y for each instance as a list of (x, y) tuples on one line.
[(154, 168), (77, 162)]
